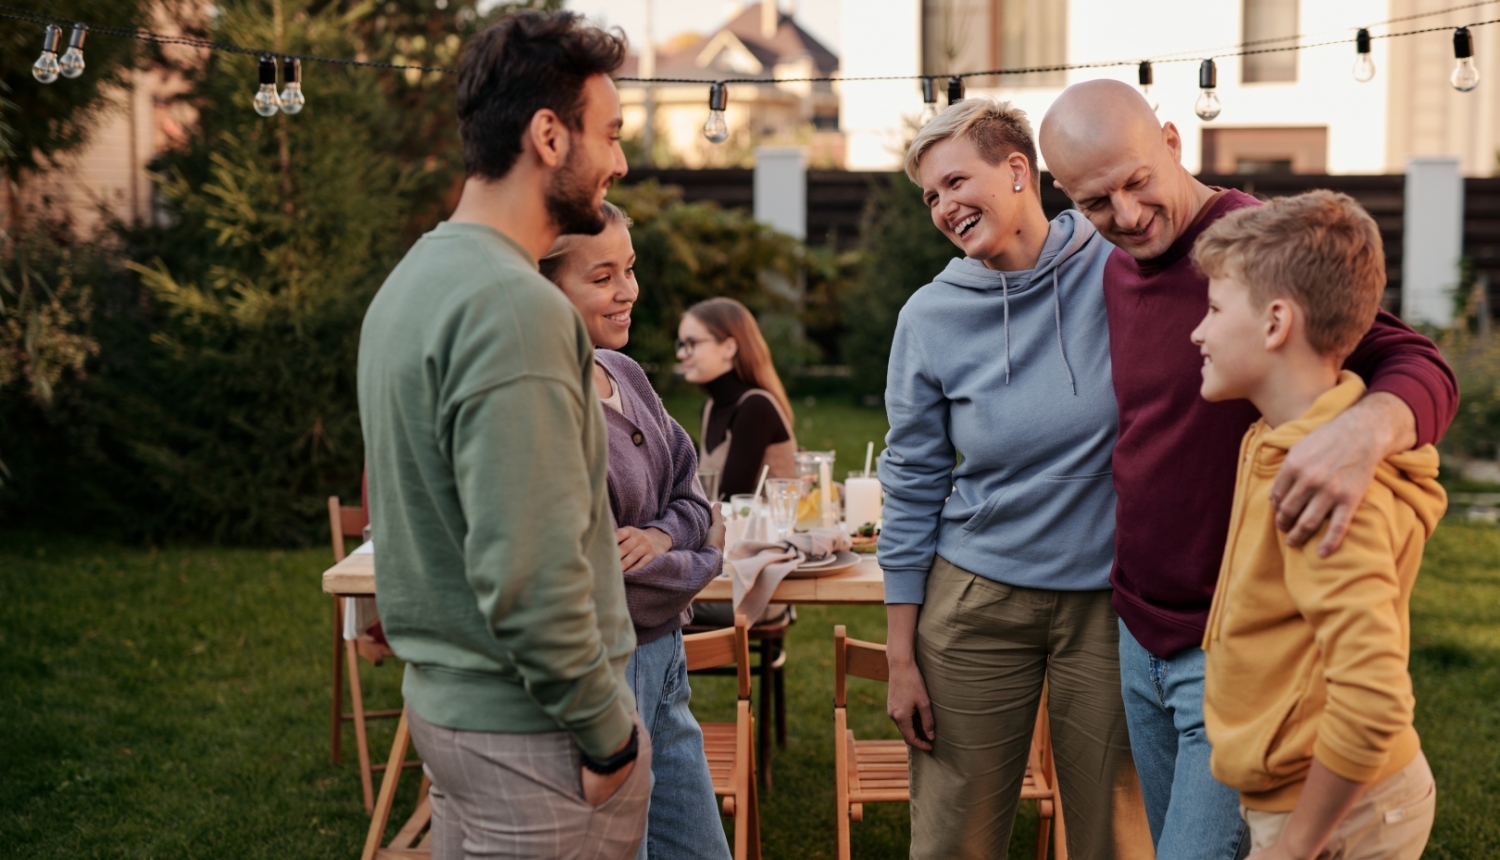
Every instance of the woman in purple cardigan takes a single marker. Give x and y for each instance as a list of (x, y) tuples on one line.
[(671, 542)]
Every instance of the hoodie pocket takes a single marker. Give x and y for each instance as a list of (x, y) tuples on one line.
[(1073, 505)]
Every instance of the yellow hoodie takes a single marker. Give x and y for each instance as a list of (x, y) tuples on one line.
[(1307, 657)]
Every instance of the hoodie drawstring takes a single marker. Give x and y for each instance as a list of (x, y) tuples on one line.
[(1057, 312), (1005, 297)]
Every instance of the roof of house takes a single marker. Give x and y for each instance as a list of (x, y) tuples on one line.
[(739, 49)]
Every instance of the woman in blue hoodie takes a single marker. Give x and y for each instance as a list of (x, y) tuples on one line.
[(999, 517)]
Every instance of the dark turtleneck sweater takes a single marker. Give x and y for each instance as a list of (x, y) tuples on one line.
[(753, 426)]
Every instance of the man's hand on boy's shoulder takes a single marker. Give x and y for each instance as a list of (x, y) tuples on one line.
[(1326, 475)]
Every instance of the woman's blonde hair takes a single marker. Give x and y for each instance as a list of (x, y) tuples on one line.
[(996, 129), (726, 318), (552, 262)]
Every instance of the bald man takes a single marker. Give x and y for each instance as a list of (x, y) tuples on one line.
[(1175, 461)]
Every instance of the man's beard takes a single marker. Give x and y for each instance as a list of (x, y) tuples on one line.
[(570, 200)]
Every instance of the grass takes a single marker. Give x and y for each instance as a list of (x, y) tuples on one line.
[(174, 702)]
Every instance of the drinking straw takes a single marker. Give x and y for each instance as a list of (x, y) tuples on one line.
[(869, 452), (762, 482)]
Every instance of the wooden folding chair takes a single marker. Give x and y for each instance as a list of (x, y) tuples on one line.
[(874, 771), (768, 641), (411, 841), (731, 746), (346, 523)]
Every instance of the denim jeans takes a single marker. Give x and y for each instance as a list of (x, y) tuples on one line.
[(1192, 816), (683, 823)]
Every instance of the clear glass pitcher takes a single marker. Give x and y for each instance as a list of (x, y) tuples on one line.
[(820, 495)]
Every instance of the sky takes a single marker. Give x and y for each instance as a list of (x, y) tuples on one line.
[(818, 17)]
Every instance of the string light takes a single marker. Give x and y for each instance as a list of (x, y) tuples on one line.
[(1465, 77), (955, 90), (292, 99), (72, 59), (266, 101), (1207, 107), (929, 99), (46, 68), (715, 129), (1364, 67), (1146, 78)]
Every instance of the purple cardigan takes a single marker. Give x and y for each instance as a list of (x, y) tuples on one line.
[(653, 483)]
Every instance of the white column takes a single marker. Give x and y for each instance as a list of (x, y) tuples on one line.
[(1432, 238), (781, 188), (880, 37)]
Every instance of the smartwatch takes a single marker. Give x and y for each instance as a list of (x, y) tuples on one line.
[(611, 764)]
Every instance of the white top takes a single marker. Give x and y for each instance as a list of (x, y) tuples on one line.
[(613, 400)]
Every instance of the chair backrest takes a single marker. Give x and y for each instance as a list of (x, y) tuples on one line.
[(344, 523), (857, 658), (720, 648)]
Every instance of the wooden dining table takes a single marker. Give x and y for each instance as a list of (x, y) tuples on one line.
[(863, 584)]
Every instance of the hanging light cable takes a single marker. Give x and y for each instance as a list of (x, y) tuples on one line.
[(46, 68), (1364, 67), (266, 102), (955, 90), (715, 128), (71, 63), (292, 99), (1208, 106), (1465, 77)]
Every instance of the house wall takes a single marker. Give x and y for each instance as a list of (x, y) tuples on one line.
[(880, 34)]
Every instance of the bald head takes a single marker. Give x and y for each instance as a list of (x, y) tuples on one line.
[(1093, 121), (1121, 165)]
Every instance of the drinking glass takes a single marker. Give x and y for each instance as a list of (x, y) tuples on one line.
[(708, 479), (782, 496), (742, 505)]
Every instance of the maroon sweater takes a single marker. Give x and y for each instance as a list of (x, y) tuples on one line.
[(1174, 463)]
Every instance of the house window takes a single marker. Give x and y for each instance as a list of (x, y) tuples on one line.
[(1265, 150), (1263, 21), (973, 35)]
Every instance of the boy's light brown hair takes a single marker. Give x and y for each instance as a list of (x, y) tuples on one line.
[(1320, 249)]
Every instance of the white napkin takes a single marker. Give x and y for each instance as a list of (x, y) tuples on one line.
[(756, 567), (359, 612)]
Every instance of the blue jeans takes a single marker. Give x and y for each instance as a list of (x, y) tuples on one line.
[(1192, 816), (684, 819)]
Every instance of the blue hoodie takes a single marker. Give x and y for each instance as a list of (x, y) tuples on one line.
[(1008, 375)]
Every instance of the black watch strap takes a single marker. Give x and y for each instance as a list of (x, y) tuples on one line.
[(607, 766)]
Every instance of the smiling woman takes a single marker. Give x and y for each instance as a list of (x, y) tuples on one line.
[(997, 570), (670, 543)]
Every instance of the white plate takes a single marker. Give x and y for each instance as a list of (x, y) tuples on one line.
[(843, 561), (822, 562)]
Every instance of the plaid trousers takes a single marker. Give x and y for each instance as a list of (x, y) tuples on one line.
[(520, 796)]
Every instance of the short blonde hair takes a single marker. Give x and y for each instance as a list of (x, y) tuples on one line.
[(552, 262), (1320, 249), (996, 129)]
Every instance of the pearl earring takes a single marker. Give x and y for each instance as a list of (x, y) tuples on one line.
[(1018, 187)]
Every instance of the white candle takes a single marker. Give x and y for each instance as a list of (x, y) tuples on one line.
[(861, 502), (825, 481)]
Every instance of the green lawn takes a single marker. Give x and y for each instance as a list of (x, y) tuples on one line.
[(174, 703)]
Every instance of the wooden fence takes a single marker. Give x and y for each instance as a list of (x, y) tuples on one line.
[(836, 201)]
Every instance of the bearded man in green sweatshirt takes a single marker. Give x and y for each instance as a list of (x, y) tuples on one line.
[(498, 578)]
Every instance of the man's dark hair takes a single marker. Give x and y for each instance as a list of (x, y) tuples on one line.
[(527, 62)]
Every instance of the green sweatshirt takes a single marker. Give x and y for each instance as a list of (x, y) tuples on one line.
[(498, 578)]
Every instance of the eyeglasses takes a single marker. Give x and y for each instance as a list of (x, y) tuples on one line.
[(686, 347)]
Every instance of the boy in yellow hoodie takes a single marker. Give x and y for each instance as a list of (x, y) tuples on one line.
[(1307, 699)]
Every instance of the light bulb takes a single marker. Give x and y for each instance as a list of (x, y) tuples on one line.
[(929, 100), (292, 99), (1207, 107), (1465, 77), (715, 129), (955, 90), (1364, 67), (1145, 77), (72, 59), (266, 102), (46, 67)]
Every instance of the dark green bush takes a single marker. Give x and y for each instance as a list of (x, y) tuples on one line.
[(900, 252)]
